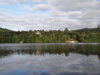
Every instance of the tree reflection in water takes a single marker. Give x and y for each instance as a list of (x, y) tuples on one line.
[(42, 49)]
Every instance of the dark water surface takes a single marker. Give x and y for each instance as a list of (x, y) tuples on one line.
[(50, 59)]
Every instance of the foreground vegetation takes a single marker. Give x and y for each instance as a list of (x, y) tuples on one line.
[(52, 36)]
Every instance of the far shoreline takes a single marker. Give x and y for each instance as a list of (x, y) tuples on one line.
[(79, 43)]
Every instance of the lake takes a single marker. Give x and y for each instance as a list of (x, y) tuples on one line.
[(50, 59)]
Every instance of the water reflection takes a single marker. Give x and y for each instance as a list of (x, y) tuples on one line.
[(49, 59), (41, 49)]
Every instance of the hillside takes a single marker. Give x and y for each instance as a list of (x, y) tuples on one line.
[(5, 30), (87, 30)]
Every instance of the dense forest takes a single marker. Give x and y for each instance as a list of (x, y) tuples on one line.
[(51, 36)]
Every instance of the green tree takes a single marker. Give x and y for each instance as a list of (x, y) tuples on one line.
[(66, 29)]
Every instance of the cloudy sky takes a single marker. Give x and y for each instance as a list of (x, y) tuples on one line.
[(49, 14)]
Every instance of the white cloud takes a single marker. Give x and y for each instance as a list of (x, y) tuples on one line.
[(35, 22), (40, 7), (88, 18), (1, 13), (73, 14), (11, 2), (73, 4), (55, 12)]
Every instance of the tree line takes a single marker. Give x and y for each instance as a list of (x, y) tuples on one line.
[(51, 36)]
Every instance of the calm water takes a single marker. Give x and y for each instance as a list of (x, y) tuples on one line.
[(50, 59)]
